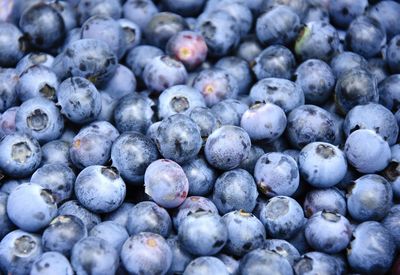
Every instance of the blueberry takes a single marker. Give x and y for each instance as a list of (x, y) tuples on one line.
[(329, 199), (68, 13), (369, 198), (43, 25), (310, 123), (192, 205), (139, 11), (276, 174), (138, 57), (365, 36), (378, 67), (356, 87), (18, 251), (206, 265), (114, 233), (9, 185), (100, 188), (261, 261), (375, 117), (282, 217), (392, 56), (226, 155), (33, 214), (298, 6), (131, 153), (7, 121), (387, 13), (283, 248), (188, 47), (317, 40), (106, 29), (371, 161), (205, 119), (275, 61), (21, 155), (134, 112), (216, 85), (92, 255), (180, 257), (279, 25), (268, 115), (390, 223), (8, 83), (123, 83), (201, 176), (162, 72), (249, 163), (316, 79), (72, 207), (179, 99), (184, 7), (239, 10), (343, 12), (322, 164), (6, 226), (34, 58), (249, 48), (166, 183), (364, 253), (132, 33), (62, 234), (12, 46), (328, 232), (317, 263), (120, 215), (88, 8), (51, 263), (220, 31), (146, 253), (239, 224), (178, 138), (58, 178), (203, 233), (229, 111), (147, 216), (89, 58), (282, 92), (389, 92), (231, 264), (235, 190), (162, 26), (315, 13), (79, 100), (347, 61)]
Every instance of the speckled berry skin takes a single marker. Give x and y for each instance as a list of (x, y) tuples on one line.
[(364, 254), (21, 211), (21, 155), (8, 82), (367, 161), (203, 233), (309, 123), (74, 208), (369, 198), (322, 164), (146, 252), (276, 174), (329, 199), (100, 188), (317, 262), (264, 121), (226, 155), (283, 248), (216, 85), (282, 217), (180, 257), (166, 183), (188, 47), (235, 190), (239, 224), (201, 176), (147, 216), (328, 232), (275, 61), (138, 57), (162, 72), (375, 117), (178, 138), (12, 47), (282, 92), (131, 153)]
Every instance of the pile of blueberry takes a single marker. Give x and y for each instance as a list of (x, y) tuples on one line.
[(199, 137)]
